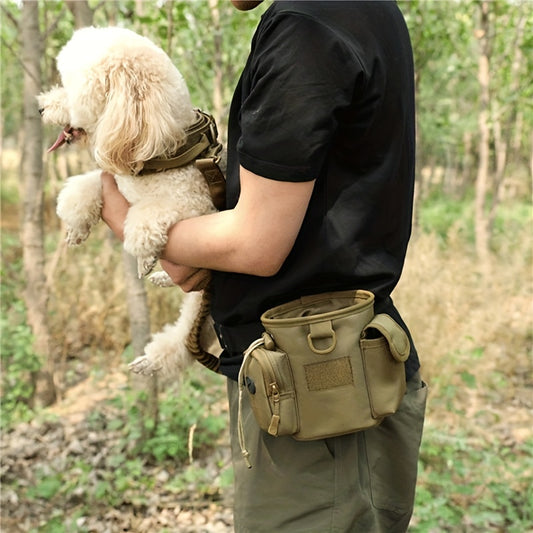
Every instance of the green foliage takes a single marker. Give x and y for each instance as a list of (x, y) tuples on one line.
[(17, 356), (47, 486), (18, 363), (468, 484), (186, 30), (439, 213), (446, 216), (511, 220), (181, 418), (446, 51)]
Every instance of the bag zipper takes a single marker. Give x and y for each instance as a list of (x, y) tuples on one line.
[(273, 390)]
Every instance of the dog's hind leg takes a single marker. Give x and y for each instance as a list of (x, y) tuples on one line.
[(167, 353)]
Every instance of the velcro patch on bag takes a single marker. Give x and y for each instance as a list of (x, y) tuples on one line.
[(329, 374)]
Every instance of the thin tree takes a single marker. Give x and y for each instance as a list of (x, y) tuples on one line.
[(482, 179), (32, 179)]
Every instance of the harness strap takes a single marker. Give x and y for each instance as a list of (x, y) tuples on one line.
[(215, 181), (186, 155), (202, 148)]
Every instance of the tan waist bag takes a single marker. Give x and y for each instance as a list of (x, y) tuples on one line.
[(325, 366)]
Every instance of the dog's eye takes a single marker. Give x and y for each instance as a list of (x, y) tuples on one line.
[(41, 110)]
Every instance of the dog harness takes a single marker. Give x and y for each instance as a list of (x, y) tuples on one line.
[(203, 148)]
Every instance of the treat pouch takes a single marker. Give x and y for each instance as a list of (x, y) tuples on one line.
[(325, 366)]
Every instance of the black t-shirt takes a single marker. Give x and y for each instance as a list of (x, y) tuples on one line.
[(327, 93)]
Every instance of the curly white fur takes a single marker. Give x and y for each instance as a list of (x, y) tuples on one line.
[(127, 103)]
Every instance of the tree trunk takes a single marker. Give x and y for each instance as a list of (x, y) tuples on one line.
[(32, 236), (481, 218), (218, 82), (500, 147), (137, 305), (139, 316), (170, 27), (83, 14)]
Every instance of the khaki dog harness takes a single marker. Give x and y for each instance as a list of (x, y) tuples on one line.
[(203, 148)]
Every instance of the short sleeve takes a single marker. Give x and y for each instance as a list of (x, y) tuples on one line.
[(301, 76)]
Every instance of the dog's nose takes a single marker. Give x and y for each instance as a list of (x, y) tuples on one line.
[(41, 110)]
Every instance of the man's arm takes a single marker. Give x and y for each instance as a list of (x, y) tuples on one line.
[(253, 238)]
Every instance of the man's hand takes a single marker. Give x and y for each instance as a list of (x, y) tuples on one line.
[(188, 278), (114, 206)]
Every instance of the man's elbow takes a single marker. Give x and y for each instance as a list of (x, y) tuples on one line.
[(268, 270), (264, 265)]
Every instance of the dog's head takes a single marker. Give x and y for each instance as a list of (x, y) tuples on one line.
[(121, 95)]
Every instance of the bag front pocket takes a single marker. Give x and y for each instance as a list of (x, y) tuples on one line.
[(267, 376)]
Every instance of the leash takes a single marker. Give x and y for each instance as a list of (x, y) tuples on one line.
[(212, 362)]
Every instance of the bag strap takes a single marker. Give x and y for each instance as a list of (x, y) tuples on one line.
[(242, 442), (395, 335)]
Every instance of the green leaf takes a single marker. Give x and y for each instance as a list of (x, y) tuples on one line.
[(468, 379)]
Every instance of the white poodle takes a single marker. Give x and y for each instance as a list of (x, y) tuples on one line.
[(122, 97)]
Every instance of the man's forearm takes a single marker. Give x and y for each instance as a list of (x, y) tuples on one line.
[(253, 238), (218, 242)]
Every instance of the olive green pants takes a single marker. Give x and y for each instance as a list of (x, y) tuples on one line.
[(358, 483)]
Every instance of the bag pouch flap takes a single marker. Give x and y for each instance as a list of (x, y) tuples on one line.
[(396, 337)]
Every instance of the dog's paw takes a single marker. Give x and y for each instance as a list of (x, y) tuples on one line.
[(144, 366), (161, 279), (145, 265), (75, 236)]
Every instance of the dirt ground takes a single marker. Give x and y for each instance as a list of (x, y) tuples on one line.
[(38, 449)]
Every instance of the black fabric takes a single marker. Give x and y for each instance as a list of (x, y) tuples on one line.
[(327, 93)]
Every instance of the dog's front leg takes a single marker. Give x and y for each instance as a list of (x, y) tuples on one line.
[(161, 279), (145, 232), (79, 205)]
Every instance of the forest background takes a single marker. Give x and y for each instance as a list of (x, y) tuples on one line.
[(85, 447)]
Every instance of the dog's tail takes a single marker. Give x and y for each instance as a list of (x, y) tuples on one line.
[(193, 340)]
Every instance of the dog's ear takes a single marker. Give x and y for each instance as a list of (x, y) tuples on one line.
[(140, 117)]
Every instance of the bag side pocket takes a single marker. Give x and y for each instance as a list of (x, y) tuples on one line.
[(384, 348)]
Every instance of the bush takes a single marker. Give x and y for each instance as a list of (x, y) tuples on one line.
[(19, 362), (471, 484), (17, 356), (186, 424)]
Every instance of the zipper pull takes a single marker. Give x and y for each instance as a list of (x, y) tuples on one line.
[(274, 421)]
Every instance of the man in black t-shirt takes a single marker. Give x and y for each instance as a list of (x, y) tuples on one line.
[(320, 183)]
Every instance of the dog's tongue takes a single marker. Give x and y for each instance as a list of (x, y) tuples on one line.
[(61, 140)]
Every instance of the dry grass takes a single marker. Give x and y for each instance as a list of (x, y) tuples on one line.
[(88, 302), (472, 325)]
